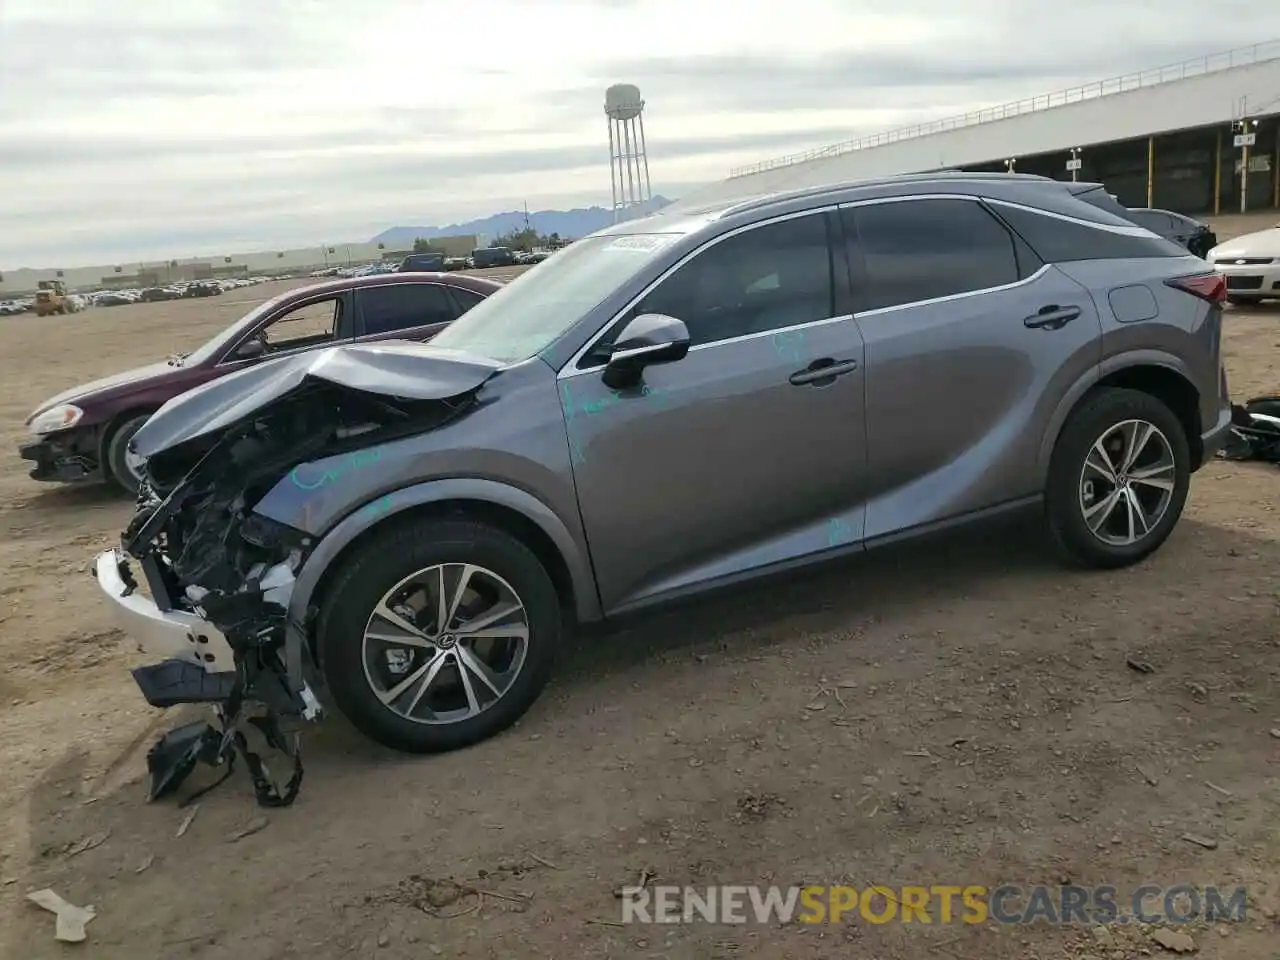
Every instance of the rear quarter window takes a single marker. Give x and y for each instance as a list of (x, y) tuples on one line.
[(1058, 240)]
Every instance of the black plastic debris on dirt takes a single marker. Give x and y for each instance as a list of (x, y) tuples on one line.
[(1255, 431)]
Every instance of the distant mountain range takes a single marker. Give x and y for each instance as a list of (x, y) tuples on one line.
[(570, 224)]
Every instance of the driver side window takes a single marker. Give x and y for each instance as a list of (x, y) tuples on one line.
[(309, 325), (765, 278)]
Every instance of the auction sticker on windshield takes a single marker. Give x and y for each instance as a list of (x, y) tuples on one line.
[(641, 242)]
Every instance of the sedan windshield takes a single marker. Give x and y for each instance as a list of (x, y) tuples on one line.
[(538, 307)]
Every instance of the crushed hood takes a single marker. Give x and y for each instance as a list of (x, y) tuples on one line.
[(135, 375), (405, 369)]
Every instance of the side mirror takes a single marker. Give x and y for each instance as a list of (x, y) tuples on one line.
[(648, 339), (251, 349)]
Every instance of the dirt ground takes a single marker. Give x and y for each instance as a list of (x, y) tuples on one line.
[(959, 712)]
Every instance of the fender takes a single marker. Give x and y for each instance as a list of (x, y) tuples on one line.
[(1108, 366), (339, 536)]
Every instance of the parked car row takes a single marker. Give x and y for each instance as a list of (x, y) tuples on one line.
[(667, 407)]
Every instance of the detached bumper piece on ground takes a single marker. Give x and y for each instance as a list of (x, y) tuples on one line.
[(1255, 431)]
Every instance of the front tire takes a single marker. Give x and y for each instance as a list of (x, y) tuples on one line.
[(438, 634), (123, 468), (1118, 479)]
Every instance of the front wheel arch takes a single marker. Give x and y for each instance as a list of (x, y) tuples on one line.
[(507, 508)]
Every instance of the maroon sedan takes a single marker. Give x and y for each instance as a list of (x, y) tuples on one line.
[(83, 434)]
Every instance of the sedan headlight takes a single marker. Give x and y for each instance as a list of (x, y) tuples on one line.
[(61, 417)]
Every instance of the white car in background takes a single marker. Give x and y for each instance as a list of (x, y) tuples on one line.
[(1251, 264)]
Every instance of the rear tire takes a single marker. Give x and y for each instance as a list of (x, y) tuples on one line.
[(118, 467), (1106, 523), (362, 671)]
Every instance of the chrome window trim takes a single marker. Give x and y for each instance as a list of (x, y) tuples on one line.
[(1124, 231), (569, 369)]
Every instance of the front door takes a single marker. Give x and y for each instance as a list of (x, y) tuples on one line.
[(971, 341), (738, 457)]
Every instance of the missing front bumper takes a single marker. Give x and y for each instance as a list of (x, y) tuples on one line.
[(166, 634), (198, 666)]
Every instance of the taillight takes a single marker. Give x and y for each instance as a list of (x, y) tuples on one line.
[(1206, 286)]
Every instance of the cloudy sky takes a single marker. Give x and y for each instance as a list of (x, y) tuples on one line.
[(155, 128)]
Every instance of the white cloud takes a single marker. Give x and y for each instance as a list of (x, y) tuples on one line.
[(158, 128)]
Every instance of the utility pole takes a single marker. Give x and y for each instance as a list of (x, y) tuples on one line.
[(1074, 164), (1246, 136)]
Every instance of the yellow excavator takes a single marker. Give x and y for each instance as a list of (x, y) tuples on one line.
[(52, 297)]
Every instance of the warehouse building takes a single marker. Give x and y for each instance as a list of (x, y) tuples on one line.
[(1198, 137)]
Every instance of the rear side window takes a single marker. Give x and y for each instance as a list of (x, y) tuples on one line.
[(399, 306), (1061, 241), (1099, 198), (1152, 220), (915, 250), (466, 299)]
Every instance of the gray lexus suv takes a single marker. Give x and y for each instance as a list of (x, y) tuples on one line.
[(670, 405)]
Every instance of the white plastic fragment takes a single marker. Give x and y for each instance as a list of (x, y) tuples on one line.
[(71, 919)]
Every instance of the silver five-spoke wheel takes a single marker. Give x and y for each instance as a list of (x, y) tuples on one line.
[(1127, 482), (445, 643)]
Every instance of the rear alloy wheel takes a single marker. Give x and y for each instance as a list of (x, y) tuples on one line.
[(126, 468), (1118, 479), (438, 634)]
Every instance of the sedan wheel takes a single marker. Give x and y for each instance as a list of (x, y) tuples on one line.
[(1127, 483), (446, 643)]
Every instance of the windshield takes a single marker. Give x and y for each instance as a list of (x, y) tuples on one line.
[(534, 310)]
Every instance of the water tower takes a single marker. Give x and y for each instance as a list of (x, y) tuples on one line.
[(628, 162)]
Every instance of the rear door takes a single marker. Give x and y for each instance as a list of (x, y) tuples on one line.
[(970, 340), (403, 311)]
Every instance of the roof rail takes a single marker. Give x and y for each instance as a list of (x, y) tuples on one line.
[(953, 176), (1195, 67)]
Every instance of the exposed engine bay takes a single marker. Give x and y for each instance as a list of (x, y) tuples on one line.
[(204, 552)]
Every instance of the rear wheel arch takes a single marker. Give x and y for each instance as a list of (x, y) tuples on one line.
[(1163, 377), (1172, 388)]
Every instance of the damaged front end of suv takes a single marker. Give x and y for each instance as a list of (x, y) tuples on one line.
[(219, 576)]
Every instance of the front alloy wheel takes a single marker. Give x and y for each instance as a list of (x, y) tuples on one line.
[(446, 643), (437, 633)]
